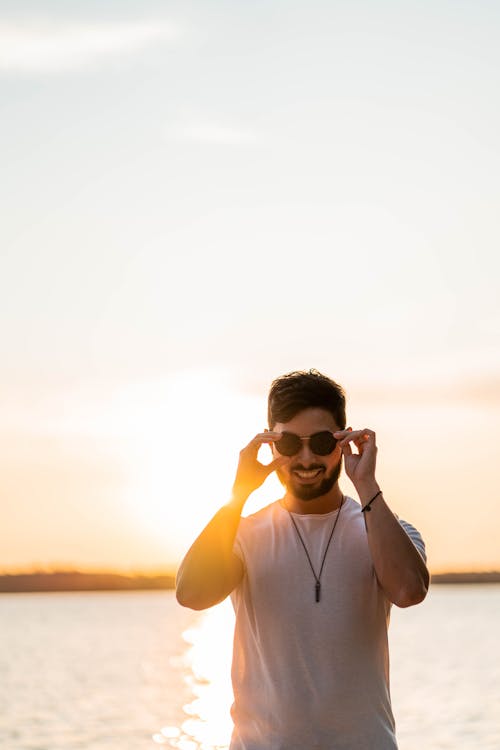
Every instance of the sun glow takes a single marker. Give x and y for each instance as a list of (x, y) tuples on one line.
[(191, 432)]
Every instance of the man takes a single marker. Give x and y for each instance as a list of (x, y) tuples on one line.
[(312, 578)]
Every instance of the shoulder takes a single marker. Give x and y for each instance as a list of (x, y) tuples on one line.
[(350, 507), (262, 517), (257, 529), (351, 514)]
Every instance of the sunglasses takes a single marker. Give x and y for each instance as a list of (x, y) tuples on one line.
[(321, 443)]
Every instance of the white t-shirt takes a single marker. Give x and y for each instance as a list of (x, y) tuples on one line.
[(310, 675)]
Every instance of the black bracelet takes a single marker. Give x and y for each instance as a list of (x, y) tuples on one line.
[(367, 506)]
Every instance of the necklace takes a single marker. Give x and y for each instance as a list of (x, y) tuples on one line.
[(317, 578)]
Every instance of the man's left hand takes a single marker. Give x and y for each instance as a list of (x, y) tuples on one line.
[(360, 466)]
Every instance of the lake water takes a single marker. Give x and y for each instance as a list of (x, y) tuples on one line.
[(134, 671)]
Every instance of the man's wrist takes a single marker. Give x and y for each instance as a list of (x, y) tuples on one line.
[(238, 499), (366, 490)]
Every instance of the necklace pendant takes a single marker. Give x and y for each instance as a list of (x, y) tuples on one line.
[(299, 535)]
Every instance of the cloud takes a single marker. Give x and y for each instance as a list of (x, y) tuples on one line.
[(54, 47), (217, 134)]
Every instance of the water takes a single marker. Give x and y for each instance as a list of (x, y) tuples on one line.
[(134, 671)]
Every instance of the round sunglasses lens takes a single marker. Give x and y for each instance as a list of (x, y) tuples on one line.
[(288, 444), (323, 443)]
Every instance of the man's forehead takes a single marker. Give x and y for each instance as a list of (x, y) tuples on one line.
[(313, 419)]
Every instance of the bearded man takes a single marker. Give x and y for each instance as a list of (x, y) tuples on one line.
[(312, 578)]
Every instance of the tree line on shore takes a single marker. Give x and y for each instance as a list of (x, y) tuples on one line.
[(82, 581)]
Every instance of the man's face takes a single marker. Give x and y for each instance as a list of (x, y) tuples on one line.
[(307, 475)]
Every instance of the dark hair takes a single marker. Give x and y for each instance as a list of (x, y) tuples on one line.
[(298, 390)]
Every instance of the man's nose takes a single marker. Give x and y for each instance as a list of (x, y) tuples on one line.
[(306, 456)]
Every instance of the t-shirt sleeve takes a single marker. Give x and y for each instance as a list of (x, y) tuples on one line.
[(415, 536)]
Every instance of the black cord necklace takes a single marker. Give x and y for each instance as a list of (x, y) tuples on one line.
[(317, 578)]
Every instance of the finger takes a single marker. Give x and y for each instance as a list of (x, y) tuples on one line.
[(346, 449), (267, 469), (268, 436), (261, 439), (356, 436), (354, 433), (277, 463), (342, 433), (366, 440)]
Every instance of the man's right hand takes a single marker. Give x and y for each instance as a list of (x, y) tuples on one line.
[(211, 569), (251, 474)]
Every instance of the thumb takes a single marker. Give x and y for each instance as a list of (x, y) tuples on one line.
[(277, 463), (347, 450)]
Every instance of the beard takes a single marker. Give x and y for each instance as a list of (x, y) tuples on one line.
[(312, 491)]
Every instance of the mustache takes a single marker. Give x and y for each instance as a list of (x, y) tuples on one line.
[(301, 467)]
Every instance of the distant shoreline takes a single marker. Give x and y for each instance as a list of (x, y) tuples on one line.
[(80, 581), (492, 576)]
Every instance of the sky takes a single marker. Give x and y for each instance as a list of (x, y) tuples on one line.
[(198, 197)]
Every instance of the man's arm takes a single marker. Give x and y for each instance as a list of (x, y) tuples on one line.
[(210, 570), (400, 569)]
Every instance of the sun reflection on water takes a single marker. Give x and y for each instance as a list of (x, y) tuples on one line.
[(208, 661)]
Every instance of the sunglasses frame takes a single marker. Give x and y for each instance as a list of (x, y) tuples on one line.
[(299, 440)]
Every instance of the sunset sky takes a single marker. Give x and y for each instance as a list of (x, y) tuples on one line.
[(200, 196)]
